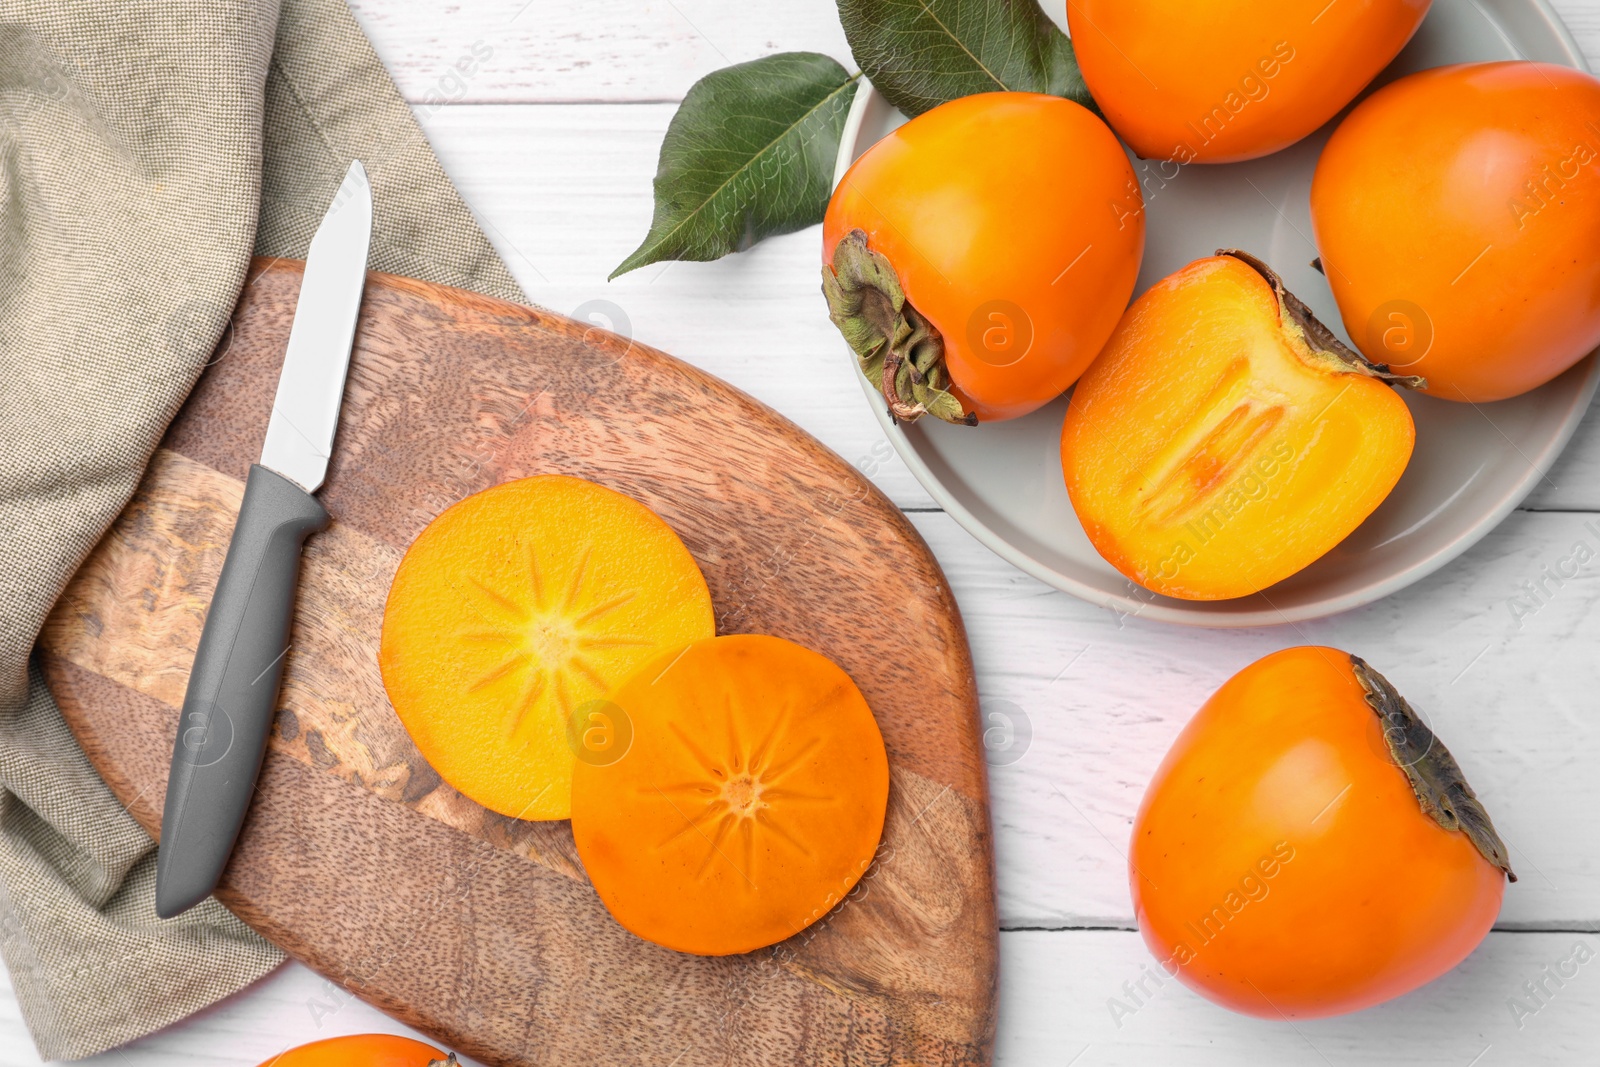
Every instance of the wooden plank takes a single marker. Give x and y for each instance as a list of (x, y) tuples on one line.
[(583, 50), (1508, 678), (1056, 1003), (620, 51), (1075, 999), (1582, 18)]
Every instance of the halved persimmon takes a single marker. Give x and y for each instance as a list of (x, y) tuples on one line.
[(516, 609), (1224, 439), (750, 802), (1309, 847)]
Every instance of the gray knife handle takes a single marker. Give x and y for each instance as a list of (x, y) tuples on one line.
[(233, 689)]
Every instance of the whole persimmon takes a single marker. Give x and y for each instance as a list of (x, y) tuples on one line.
[(364, 1050), (1308, 847), (1226, 80), (1225, 439), (1458, 216), (977, 257)]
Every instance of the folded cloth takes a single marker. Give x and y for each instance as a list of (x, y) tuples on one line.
[(147, 147)]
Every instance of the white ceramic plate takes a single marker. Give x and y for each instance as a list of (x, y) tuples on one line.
[(1473, 463)]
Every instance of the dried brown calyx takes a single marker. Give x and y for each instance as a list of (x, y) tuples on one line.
[(1322, 342), (1442, 790), (899, 350)]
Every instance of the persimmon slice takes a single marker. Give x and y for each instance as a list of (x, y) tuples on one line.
[(364, 1050), (514, 611), (1224, 438), (750, 802)]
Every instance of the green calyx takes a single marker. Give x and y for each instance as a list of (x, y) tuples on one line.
[(1436, 779), (1323, 342), (899, 350)]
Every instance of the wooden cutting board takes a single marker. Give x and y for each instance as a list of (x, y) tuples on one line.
[(479, 929)]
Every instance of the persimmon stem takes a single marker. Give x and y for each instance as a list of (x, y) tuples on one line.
[(1322, 340), (898, 348), (1436, 779)]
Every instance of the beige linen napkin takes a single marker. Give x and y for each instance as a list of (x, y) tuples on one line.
[(138, 138)]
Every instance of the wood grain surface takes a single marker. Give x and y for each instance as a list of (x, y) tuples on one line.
[(480, 929)]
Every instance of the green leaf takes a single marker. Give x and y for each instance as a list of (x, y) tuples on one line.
[(922, 53), (749, 154)]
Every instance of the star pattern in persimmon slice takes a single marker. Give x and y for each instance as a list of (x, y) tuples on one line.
[(516, 611), (749, 803)]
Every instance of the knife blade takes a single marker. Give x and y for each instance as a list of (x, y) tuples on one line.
[(232, 695)]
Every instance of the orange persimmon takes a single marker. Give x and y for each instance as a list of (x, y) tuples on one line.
[(363, 1050), (1227, 80), (750, 801), (1458, 216), (977, 257), (512, 612), (1225, 439), (1308, 847)]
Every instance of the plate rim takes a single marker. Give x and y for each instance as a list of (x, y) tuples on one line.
[(1165, 609)]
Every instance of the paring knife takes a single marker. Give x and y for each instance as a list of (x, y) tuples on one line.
[(233, 689)]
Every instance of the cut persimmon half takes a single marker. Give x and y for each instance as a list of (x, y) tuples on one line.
[(749, 803), (512, 613), (1224, 438)]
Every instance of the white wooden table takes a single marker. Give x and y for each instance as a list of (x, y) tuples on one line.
[(548, 115)]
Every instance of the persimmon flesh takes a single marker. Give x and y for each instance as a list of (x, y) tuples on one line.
[(1308, 847), (977, 257), (512, 613), (1228, 80), (363, 1050), (749, 804), (1224, 439), (1458, 216)]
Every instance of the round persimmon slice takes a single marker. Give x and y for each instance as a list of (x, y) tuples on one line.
[(512, 613), (750, 801), (363, 1050)]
